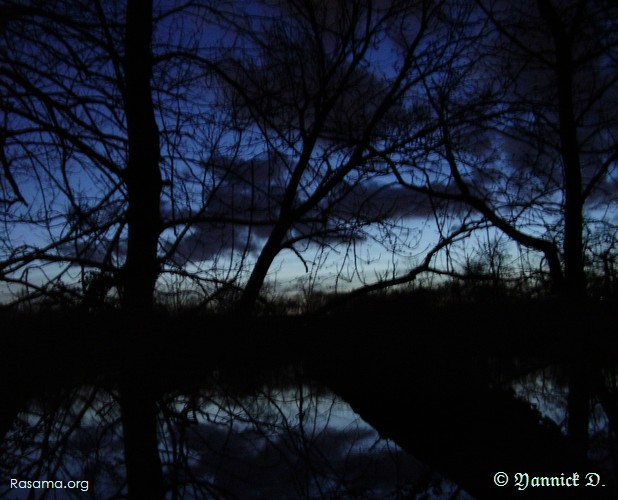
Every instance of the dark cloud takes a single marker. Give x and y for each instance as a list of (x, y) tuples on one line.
[(241, 212)]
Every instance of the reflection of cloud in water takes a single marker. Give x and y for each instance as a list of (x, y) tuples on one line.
[(72, 435), (294, 443), (297, 442)]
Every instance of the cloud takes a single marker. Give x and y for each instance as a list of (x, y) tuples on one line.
[(242, 211)]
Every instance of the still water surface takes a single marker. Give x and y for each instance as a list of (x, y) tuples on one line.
[(283, 440), (285, 436)]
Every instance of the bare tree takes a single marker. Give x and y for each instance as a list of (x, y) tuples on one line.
[(314, 85), (79, 133), (526, 137), (140, 150), (98, 145), (81, 150)]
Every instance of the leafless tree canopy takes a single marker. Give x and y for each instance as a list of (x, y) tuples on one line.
[(183, 147)]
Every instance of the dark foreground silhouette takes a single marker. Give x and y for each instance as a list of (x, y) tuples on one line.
[(213, 406)]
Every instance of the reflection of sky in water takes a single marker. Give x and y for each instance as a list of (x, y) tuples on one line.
[(547, 390), (541, 389), (293, 442)]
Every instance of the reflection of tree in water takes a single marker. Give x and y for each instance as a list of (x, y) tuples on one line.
[(548, 390), (297, 442), (276, 442), (70, 435)]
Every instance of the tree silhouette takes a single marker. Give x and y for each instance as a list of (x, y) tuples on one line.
[(144, 141), (526, 138), (204, 152), (150, 151), (327, 115)]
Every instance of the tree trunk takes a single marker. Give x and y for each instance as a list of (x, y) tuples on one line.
[(143, 181), (251, 291), (141, 445), (578, 409), (575, 281), (143, 177), (574, 276)]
